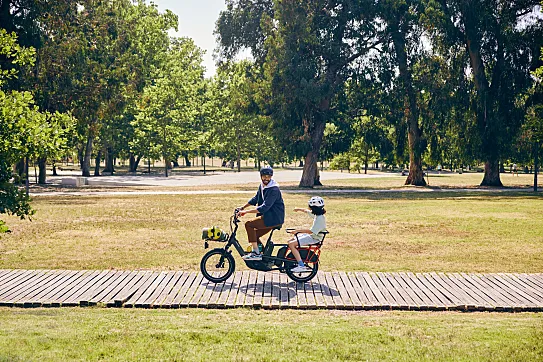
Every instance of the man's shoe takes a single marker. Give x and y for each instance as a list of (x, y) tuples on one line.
[(301, 269), (252, 256)]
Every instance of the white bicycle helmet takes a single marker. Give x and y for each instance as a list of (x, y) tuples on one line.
[(316, 201)]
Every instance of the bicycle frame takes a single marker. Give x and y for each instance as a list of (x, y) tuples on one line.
[(313, 250)]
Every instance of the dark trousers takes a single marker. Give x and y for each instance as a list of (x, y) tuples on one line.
[(256, 228)]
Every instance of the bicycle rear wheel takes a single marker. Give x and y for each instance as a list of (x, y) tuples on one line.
[(217, 265), (305, 276)]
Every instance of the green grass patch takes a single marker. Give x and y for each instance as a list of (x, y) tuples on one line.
[(419, 232), (245, 335)]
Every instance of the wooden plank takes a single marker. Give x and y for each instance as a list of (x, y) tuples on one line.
[(310, 295), (433, 291), (527, 280), (353, 296), (359, 291), (242, 290), (285, 291), (53, 300), (391, 302), (161, 290), (334, 292), (185, 288), (214, 299), (9, 275), (276, 291), (259, 290), (145, 299), (469, 290), (267, 292), (482, 294), (536, 279), (206, 292), (398, 298), (523, 285), (168, 302), (26, 288), (65, 300), (158, 303), (141, 290), (417, 295), (251, 285), (109, 294), (512, 289), (447, 294), (293, 294), (427, 286), (98, 287), (233, 294), (403, 290), (113, 282), (467, 301), (129, 289), (191, 291), (40, 297), (367, 279), (225, 293), (369, 298), (89, 282), (344, 295), (17, 280), (502, 291), (499, 302), (317, 292), (300, 293)]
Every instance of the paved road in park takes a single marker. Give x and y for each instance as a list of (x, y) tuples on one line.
[(229, 178)]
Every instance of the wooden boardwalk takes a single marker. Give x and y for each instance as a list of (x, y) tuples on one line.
[(328, 290)]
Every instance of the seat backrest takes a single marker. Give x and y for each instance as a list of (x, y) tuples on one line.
[(324, 233)]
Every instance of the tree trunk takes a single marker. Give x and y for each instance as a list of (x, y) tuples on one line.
[(20, 168), (366, 155), (187, 161), (485, 113), (492, 174), (310, 165), (85, 167), (109, 161), (416, 176), (536, 163), (131, 163), (42, 165), (97, 163), (54, 170), (238, 153)]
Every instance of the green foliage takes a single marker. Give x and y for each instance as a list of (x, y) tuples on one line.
[(166, 122), (25, 132)]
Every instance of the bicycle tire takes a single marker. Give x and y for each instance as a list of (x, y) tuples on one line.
[(217, 275)]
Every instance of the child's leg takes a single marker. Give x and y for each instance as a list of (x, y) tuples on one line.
[(292, 246)]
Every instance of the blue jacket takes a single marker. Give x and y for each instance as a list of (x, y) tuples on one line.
[(271, 207)]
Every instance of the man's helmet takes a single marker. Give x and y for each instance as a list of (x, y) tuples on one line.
[(266, 170), (316, 201)]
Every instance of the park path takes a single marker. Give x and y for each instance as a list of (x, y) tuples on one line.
[(272, 290)]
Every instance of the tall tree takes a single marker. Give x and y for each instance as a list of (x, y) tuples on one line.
[(309, 49), (25, 131), (498, 38), (169, 107)]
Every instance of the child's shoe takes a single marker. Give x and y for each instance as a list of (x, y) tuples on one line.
[(301, 269)]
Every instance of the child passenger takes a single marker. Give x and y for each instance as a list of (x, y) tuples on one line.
[(308, 236)]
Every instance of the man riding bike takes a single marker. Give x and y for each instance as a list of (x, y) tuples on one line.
[(270, 211)]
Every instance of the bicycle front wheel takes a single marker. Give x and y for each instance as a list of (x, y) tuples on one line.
[(217, 265)]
